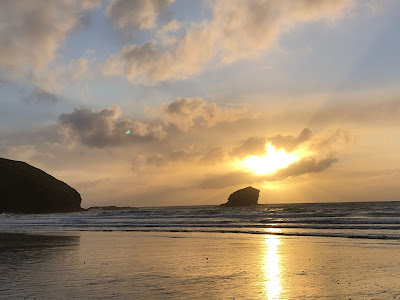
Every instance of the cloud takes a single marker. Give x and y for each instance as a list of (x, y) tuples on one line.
[(256, 145), (39, 95), (136, 14), (18, 152), (104, 128), (32, 31), (248, 27), (334, 139), (206, 156), (214, 155), (304, 166), (58, 76), (289, 142), (320, 153), (91, 4), (251, 146), (238, 29), (185, 113), (171, 26), (181, 57), (158, 159), (315, 148)]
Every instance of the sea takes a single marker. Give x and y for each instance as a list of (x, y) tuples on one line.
[(354, 220), (269, 251)]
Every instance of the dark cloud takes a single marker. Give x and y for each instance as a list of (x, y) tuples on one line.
[(304, 166), (40, 95), (104, 128)]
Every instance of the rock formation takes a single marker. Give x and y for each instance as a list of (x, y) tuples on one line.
[(26, 189), (243, 197)]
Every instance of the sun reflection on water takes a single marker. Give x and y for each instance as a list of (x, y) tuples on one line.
[(272, 270)]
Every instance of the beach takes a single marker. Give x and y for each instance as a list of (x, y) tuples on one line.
[(149, 265)]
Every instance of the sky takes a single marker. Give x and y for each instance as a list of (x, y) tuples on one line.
[(182, 102)]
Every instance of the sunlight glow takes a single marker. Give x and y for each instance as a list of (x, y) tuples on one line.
[(273, 229), (272, 270), (271, 162), (274, 185)]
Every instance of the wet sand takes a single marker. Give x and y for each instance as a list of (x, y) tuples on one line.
[(123, 265)]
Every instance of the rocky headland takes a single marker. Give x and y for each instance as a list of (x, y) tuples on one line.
[(26, 189)]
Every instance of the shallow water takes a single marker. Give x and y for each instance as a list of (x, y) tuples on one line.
[(137, 265)]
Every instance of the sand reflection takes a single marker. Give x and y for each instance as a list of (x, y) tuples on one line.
[(272, 272)]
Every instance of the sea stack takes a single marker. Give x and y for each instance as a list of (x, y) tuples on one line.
[(243, 197), (26, 189)]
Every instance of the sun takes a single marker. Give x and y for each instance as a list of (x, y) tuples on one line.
[(269, 163)]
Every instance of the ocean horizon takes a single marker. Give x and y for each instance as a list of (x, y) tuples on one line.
[(363, 220)]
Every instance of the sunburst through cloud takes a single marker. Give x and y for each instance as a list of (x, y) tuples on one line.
[(272, 161)]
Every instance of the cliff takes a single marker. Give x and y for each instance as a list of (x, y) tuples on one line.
[(26, 189)]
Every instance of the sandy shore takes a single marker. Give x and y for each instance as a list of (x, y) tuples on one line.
[(119, 265)]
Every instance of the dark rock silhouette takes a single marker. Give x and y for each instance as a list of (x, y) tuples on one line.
[(243, 197), (26, 189)]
